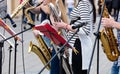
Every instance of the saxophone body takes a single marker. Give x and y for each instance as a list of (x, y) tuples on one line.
[(29, 21), (108, 40), (15, 12), (42, 51)]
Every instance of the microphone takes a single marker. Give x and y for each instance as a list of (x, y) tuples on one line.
[(79, 25), (73, 21), (12, 22)]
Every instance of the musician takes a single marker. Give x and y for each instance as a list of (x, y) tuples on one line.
[(83, 12), (110, 22), (43, 9), (70, 5)]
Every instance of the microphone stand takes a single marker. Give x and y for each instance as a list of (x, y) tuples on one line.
[(10, 47), (61, 56), (9, 58), (23, 27), (59, 51), (97, 34), (1, 45), (15, 55)]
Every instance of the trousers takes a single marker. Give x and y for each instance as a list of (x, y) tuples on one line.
[(115, 68)]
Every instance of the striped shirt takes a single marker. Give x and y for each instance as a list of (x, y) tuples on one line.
[(84, 11)]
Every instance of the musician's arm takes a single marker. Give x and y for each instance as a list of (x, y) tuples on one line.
[(38, 9), (45, 8), (69, 27), (64, 26)]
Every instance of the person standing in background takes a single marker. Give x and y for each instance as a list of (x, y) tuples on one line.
[(44, 10), (84, 12), (116, 7), (112, 23), (109, 5), (69, 5)]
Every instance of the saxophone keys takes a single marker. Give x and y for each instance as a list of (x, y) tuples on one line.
[(74, 50)]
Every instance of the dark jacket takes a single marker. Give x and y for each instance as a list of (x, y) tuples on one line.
[(116, 4)]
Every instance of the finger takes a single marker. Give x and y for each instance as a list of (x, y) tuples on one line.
[(54, 23)]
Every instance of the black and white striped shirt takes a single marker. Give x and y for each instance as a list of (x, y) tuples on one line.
[(83, 10)]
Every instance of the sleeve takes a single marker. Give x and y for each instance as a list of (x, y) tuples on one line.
[(83, 12)]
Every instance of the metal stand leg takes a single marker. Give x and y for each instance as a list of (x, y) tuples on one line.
[(9, 58), (15, 54), (1, 45)]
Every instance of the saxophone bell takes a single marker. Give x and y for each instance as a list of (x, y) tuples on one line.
[(38, 51), (112, 53), (43, 52)]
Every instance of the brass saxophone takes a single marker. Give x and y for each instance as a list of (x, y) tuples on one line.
[(108, 40), (43, 52), (29, 21), (15, 12)]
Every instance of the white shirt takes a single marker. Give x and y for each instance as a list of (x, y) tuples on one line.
[(83, 11)]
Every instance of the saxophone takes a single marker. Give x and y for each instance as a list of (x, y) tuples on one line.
[(29, 21), (15, 12), (43, 52), (108, 40)]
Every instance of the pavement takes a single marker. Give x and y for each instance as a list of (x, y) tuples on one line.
[(29, 63)]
